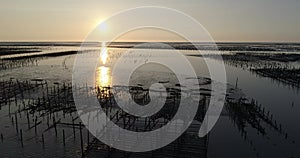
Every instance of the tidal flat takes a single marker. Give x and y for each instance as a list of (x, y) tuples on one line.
[(38, 116)]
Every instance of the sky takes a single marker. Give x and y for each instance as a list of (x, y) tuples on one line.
[(225, 20)]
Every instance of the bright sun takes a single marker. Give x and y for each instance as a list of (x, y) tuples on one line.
[(103, 26)]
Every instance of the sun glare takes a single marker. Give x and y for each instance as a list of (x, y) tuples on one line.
[(103, 76), (103, 54), (103, 27)]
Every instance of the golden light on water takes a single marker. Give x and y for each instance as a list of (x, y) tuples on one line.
[(103, 54), (103, 76)]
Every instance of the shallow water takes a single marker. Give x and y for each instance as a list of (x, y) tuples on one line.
[(225, 140), (281, 100)]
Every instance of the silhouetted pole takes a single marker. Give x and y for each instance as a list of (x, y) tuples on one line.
[(43, 140), (73, 127), (21, 134), (35, 124), (16, 118), (28, 121), (54, 123), (64, 141), (2, 138), (81, 140)]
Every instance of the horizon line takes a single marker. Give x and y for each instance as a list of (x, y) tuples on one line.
[(129, 41)]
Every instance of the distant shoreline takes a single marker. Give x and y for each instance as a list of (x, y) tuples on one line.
[(222, 46)]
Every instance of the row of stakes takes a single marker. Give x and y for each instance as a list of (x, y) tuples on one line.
[(60, 90), (18, 92), (10, 64), (54, 125), (269, 69), (37, 122)]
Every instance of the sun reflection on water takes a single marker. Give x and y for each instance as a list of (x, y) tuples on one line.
[(103, 77), (103, 55)]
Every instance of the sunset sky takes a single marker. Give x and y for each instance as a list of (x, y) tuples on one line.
[(226, 20)]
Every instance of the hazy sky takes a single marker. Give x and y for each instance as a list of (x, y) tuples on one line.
[(226, 20)]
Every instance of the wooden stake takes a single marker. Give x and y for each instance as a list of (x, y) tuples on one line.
[(35, 124), (2, 138), (73, 127), (64, 141), (81, 140), (21, 134), (43, 140), (28, 121), (54, 123), (16, 118), (88, 137)]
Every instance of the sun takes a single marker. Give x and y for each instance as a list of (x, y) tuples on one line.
[(103, 26)]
